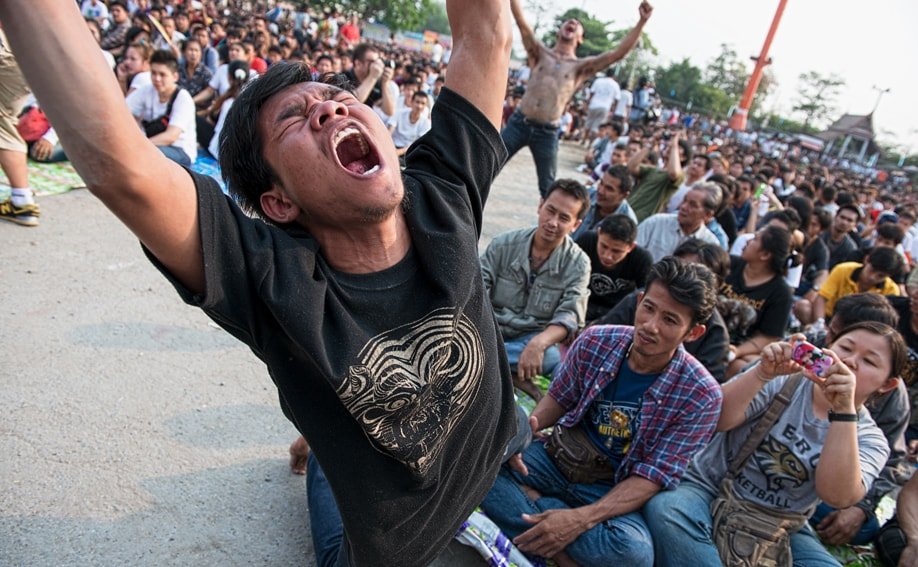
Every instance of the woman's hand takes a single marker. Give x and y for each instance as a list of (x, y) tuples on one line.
[(838, 385), (777, 360)]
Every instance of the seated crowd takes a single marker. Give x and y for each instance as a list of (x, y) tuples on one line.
[(665, 297)]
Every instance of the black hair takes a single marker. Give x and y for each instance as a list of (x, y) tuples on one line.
[(707, 160), (891, 231), (619, 227), (244, 168), (165, 57), (850, 207), (824, 217), (843, 198), (776, 240), (864, 307), (686, 151), (621, 173), (711, 255), (690, 284), (886, 260), (804, 208), (576, 190)]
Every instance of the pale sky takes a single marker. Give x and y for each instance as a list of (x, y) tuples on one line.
[(866, 43)]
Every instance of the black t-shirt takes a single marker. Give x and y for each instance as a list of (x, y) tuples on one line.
[(747, 311), (397, 379), (838, 251), (815, 259), (609, 286)]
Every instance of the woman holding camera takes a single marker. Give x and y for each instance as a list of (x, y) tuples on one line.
[(823, 446)]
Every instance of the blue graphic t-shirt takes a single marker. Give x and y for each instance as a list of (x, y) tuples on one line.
[(614, 416)]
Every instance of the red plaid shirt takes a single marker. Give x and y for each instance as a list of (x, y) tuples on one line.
[(679, 411)]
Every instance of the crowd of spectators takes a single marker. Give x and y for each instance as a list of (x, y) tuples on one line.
[(790, 241)]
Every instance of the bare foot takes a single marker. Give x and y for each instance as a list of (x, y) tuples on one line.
[(299, 451), (529, 387)]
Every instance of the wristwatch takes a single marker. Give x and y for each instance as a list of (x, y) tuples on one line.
[(842, 416)]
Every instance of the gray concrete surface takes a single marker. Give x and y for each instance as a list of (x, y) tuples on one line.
[(135, 432)]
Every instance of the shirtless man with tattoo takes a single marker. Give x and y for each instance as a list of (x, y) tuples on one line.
[(556, 74)]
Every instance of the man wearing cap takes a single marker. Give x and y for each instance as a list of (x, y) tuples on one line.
[(556, 74)]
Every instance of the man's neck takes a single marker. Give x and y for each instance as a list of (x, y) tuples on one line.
[(689, 230), (836, 238), (646, 364), (603, 213), (566, 48), (542, 250), (364, 249)]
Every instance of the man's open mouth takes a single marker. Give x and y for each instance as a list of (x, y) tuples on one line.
[(355, 153)]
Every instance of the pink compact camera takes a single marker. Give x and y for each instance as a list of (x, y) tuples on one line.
[(811, 358)]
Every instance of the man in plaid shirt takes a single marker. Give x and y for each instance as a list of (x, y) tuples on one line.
[(647, 406)]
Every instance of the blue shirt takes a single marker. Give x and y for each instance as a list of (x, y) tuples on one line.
[(679, 411), (615, 416)]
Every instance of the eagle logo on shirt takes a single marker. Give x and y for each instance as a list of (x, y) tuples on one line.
[(414, 383), (782, 468)]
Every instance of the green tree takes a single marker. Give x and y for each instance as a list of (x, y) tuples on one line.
[(816, 97), (436, 19), (396, 14), (596, 38), (682, 83), (727, 72)]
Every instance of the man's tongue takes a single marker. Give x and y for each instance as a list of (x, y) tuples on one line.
[(360, 165), (356, 156)]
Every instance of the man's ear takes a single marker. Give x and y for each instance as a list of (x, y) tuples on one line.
[(695, 333), (278, 206)]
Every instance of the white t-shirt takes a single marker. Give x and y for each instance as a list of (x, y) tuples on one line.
[(214, 146), (220, 81), (407, 132), (95, 11), (605, 92), (393, 92), (144, 103), (624, 103), (140, 80)]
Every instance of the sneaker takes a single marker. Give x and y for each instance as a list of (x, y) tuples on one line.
[(26, 215)]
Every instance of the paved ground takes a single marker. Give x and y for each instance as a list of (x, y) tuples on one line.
[(132, 430)]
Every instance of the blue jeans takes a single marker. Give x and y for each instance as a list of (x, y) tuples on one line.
[(550, 359), (622, 540), (864, 536), (542, 140), (680, 522), (324, 518), (177, 155)]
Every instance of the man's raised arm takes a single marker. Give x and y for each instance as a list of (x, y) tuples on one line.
[(481, 53), (595, 64), (153, 196), (533, 46)]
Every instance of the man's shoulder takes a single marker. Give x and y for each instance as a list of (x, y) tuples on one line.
[(512, 237), (687, 374), (607, 335)]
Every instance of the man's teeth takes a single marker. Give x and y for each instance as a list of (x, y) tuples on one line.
[(351, 131), (372, 170)]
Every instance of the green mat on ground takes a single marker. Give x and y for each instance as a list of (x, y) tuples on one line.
[(47, 179)]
